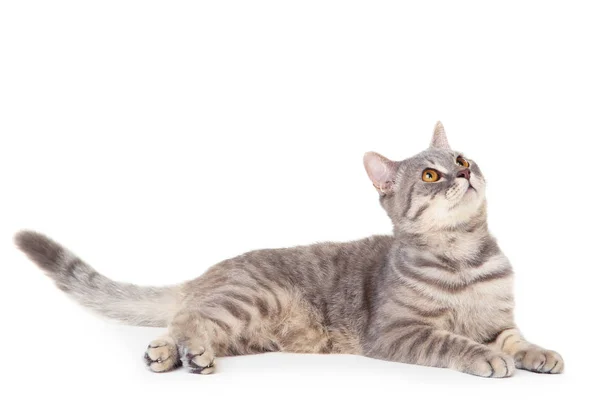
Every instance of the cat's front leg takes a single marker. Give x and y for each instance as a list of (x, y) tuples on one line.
[(528, 355), (426, 345)]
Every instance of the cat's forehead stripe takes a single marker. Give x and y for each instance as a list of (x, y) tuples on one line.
[(434, 160), (440, 168)]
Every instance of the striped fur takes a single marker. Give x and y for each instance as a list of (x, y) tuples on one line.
[(438, 292), (135, 305)]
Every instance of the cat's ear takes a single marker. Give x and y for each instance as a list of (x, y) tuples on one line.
[(439, 139), (381, 171)]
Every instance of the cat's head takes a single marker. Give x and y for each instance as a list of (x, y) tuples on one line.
[(439, 188)]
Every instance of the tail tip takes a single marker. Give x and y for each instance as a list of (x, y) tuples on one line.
[(42, 250)]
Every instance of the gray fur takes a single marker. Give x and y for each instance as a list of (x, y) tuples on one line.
[(437, 292), (144, 306)]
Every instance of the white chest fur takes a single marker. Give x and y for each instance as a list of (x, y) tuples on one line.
[(477, 300)]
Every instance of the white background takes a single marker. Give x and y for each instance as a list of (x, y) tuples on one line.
[(158, 138)]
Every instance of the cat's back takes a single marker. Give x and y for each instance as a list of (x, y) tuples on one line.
[(317, 270), (320, 264)]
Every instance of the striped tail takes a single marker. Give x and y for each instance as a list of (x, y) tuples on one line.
[(133, 305)]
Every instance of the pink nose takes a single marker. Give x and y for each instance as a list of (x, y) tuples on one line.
[(465, 173)]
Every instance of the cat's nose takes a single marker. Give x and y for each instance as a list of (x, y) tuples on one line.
[(465, 173)]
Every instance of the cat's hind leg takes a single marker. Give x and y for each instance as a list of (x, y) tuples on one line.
[(162, 355), (196, 338), (225, 323)]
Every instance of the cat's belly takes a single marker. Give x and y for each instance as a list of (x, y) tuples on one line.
[(303, 330)]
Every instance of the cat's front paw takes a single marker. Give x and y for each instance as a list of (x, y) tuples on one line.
[(492, 365), (541, 360)]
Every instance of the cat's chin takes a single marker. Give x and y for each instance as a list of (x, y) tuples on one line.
[(467, 207)]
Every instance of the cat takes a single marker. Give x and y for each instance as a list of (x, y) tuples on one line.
[(438, 292)]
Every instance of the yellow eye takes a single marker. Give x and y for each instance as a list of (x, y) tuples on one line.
[(462, 162), (431, 175)]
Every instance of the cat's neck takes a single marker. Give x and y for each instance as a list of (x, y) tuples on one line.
[(457, 243)]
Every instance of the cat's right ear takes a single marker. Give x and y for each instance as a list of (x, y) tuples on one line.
[(381, 171), (439, 139)]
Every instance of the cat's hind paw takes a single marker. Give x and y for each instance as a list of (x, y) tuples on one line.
[(199, 360), (162, 355)]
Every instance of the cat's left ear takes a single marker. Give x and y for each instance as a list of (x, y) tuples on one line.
[(439, 139)]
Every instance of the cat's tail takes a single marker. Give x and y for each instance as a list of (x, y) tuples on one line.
[(133, 305)]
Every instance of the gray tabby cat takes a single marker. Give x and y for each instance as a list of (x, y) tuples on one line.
[(438, 292)]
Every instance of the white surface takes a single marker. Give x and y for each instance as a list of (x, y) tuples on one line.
[(155, 139)]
